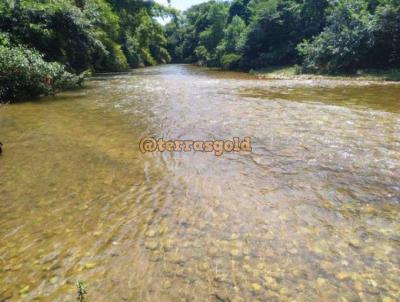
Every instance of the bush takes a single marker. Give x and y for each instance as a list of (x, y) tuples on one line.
[(4, 39), (58, 30), (344, 43), (386, 51), (202, 55), (132, 51), (112, 58), (24, 74), (230, 61)]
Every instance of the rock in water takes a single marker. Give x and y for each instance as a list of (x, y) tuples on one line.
[(151, 245), (256, 287)]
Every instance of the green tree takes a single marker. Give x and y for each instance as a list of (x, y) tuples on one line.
[(386, 28), (239, 8), (230, 46), (24, 74), (344, 43), (102, 35)]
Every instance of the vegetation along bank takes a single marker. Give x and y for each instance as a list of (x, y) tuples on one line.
[(50, 45)]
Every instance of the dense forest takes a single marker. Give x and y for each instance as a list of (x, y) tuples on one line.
[(317, 35), (47, 45)]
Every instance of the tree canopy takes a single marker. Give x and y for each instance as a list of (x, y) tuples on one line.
[(99, 35), (319, 35), (63, 38)]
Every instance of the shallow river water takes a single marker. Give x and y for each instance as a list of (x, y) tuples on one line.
[(311, 214)]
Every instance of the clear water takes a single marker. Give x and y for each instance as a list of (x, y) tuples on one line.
[(312, 214)]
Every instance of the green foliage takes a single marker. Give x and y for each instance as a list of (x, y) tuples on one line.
[(214, 32), (24, 74), (211, 19), (103, 18), (174, 45), (230, 61), (202, 55), (112, 58), (234, 34), (87, 34), (114, 35), (277, 27), (239, 8), (4, 39), (229, 48), (386, 28), (319, 35), (100, 35), (131, 48), (57, 29), (344, 43), (359, 35), (196, 36), (81, 291)]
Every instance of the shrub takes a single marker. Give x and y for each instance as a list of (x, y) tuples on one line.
[(202, 55), (230, 61), (386, 51), (131, 49), (58, 30), (24, 74), (344, 43), (4, 39), (112, 58)]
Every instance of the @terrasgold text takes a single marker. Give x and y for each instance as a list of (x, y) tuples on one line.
[(219, 147)]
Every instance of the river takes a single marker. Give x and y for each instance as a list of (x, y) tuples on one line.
[(311, 214)]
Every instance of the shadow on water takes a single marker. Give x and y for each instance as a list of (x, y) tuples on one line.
[(379, 97)]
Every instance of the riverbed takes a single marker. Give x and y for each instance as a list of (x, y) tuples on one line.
[(311, 214)]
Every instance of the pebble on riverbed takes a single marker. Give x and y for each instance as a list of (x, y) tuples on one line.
[(343, 275), (150, 233), (256, 287), (151, 245), (90, 265)]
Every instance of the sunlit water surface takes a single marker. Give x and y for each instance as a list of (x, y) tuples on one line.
[(312, 214)]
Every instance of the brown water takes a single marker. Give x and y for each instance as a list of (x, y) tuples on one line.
[(312, 214)]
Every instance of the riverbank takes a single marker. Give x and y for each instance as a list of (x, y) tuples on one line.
[(292, 72)]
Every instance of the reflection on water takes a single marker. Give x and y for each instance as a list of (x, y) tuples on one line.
[(311, 215)]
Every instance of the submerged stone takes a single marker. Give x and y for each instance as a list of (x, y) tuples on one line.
[(90, 265), (24, 290), (270, 282), (151, 245), (235, 253), (355, 243), (150, 233), (167, 284), (256, 287), (343, 275), (321, 282)]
